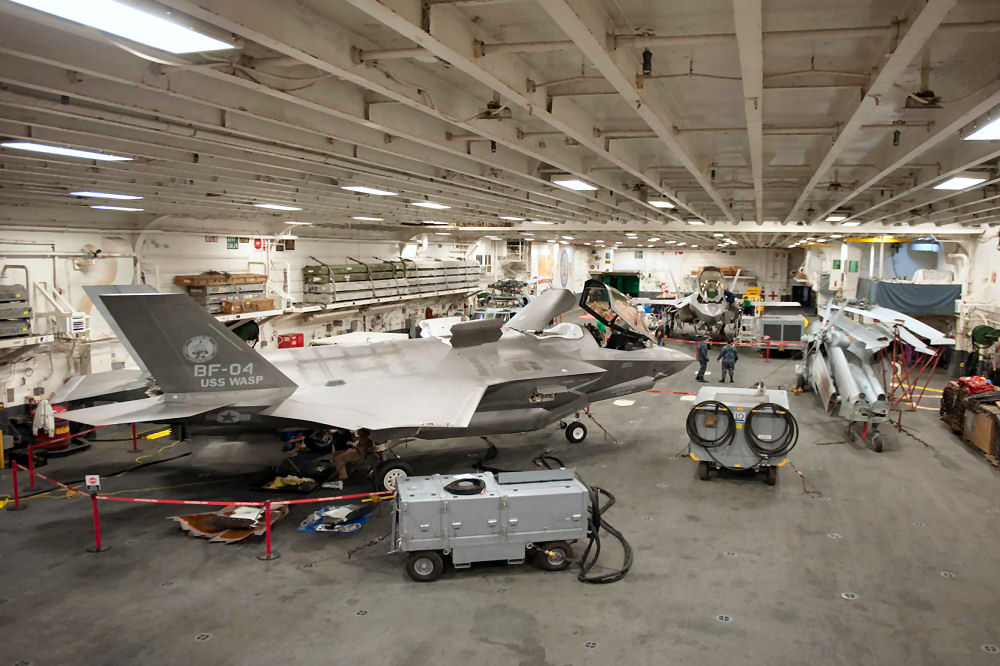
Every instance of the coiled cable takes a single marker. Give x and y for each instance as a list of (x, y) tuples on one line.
[(778, 445), (721, 410)]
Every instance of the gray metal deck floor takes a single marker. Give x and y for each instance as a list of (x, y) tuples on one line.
[(764, 557)]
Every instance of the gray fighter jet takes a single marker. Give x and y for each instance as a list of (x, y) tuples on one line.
[(488, 378), (708, 311)]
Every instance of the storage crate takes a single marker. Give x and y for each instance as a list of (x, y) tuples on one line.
[(210, 279), (13, 292), (15, 310), (14, 327), (247, 305)]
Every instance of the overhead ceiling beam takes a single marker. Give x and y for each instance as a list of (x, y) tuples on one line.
[(953, 118), (586, 23), (315, 39), (928, 18), (749, 39)]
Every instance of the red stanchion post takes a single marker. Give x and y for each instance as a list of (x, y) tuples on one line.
[(268, 554), (16, 506), (767, 349), (31, 466), (135, 442), (97, 547)]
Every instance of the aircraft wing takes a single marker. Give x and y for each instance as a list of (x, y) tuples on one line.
[(379, 405), (147, 410), (100, 383), (894, 318)]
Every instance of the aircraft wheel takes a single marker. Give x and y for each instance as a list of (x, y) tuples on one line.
[(878, 442), (554, 555), (772, 475), (703, 471), (576, 432), (390, 473), (425, 566)]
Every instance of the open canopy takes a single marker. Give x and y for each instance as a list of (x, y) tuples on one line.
[(613, 308)]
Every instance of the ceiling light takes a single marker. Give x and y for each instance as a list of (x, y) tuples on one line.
[(696, 223), (299, 224), (836, 217), (850, 224), (120, 19), (661, 204), (271, 206), (961, 181), (586, 243), (369, 190), (564, 242), (433, 222), (493, 237), (430, 204), (836, 235), (988, 132), (122, 208), (367, 219), (695, 245), (67, 152), (541, 222), (512, 218), (670, 242), (105, 195), (631, 234), (653, 239), (718, 235), (567, 237), (551, 240), (442, 233), (573, 184), (681, 243)]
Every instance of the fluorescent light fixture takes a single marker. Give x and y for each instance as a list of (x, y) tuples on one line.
[(106, 195), (631, 234), (551, 240), (660, 203), (653, 239), (512, 218), (120, 19), (573, 184), (718, 235), (836, 217), (696, 223), (541, 222), (681, 244), (564, 242), (433, 222), (299, 224), (364, 218), (442, 233), (988, 132), (567, 237), (836, 235), (695, 245), (271, 206), (430, 204), (586, 243), (121, 208), (369, 190), (961, 181), (850, 224), (66, 152)]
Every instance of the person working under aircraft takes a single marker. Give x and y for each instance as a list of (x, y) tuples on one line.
[(357, 449)]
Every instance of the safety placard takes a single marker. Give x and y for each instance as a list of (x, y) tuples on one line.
[(92, 481)]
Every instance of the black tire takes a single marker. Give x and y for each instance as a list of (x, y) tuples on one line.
[(878, 442), (576, 432), (425, 566), (772, 475), (703, 471), (554, 555), (320, 441), (388, 473)]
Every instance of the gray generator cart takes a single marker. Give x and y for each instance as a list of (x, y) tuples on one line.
[(741, 429), (479, 518)]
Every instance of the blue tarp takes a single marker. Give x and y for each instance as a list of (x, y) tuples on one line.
[(910, 298)]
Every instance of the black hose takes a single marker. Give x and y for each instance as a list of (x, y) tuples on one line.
[(780, 444), (728, 434), (593, 551)]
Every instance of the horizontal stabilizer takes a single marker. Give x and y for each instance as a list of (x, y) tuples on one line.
[(153, 410), (100, 383)]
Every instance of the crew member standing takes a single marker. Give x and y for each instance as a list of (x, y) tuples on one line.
[(728, 357), (702, 358)]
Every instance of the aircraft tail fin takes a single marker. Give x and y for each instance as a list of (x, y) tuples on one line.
[(182, 346)]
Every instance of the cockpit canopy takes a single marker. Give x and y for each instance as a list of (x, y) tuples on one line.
[(710, 285), (613, 309)]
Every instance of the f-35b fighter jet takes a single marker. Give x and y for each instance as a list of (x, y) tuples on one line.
[(488, 378)]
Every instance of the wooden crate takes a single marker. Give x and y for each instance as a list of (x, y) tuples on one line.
[(247, 305), (211, 279)]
